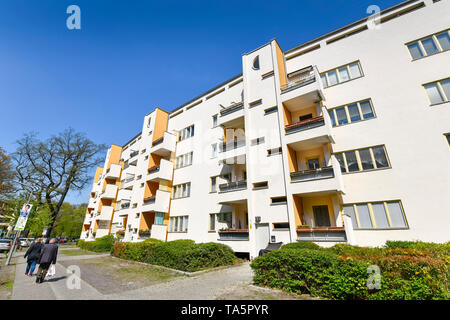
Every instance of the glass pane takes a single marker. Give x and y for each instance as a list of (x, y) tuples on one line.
[(380, 215), (415, 50), (354, 112), (352, 163), (396, 214), (429, 46), (333, 120), (343, 74), (433, 93), (366, 109), (364, 216), (366, 159), (181, 224), (186, 220), (444, 40), (355, 71), (188, 189), (340, 159), (192, 131), (341, 116), (380, 157), (332, 77), (349, 210), (446, 87), (324, 80), (212, 222)]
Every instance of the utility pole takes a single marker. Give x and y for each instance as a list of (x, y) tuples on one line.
[(16, 236)]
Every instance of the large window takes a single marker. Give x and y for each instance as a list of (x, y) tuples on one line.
[(179, 224), (182, 190), (342, 74), (351, 113), (438, 92), (363, 159), (214, 150), (213, 184), (214, 120), (429, 45), (377, 215), (212, 222), (186, 133), (184, 160)]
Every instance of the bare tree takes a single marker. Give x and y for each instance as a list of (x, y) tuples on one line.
[(52, 167)]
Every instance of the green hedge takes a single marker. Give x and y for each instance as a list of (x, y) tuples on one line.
[(301, 245), (340, 272), (103, 244), (183, 255)]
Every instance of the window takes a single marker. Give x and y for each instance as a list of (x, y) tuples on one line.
[(214, 150), (260, 185), (447, 135), (214, 120), (342, 74), (438, 92), (212, 222), (256, 63), (281, 225), (213, 184), (278, 200), (377, 215), (225, 217), (363, 159), (182, 190), (351, 113), (179, 224), (271, 152), (159, 218), (430, 45), (270, 110), (257, 141), (186, 133), (184, 160)]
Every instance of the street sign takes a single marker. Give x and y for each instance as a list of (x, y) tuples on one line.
[(23, 217)]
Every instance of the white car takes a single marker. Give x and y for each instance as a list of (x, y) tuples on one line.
[(5, 244), (24, 242)]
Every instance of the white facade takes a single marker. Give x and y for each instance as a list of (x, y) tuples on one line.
[(300, 192)]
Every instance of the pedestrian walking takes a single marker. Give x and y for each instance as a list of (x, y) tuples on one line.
[(33, 253), (48, 257)]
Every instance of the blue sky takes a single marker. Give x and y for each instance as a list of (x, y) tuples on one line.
[(131, 56)]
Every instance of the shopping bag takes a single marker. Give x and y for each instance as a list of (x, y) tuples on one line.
[(51, 271)]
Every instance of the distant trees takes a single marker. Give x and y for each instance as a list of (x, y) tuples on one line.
[(69, 221), (6, 175), (51, 168)]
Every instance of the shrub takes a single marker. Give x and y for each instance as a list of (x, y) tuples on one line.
[(341, 272), (301, 245), (103, 244), (179, 254)]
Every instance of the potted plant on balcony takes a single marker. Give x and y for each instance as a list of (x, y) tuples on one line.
[(303, 226), (144, 233)]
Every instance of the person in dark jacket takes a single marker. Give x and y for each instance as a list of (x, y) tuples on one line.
[(48, 256), (33, 253)]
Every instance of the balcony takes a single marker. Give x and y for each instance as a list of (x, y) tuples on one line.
[(233, 192), (110, 192), (306, 134), (232, 152), (133, 154), (322, 234), (231, 113), (162, 172), (233, 186), (159, 202), (127, 182), (164, 145), (113, 172), (106, 213), (124, 194), (303, 87), (87, 220), (91, 203), (325, 179)]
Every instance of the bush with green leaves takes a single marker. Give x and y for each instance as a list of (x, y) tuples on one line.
[(103, 244), (341, 272), (301, 245), (183, 255)]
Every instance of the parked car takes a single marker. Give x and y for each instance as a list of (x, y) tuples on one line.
[(24, 242), (5, 245)]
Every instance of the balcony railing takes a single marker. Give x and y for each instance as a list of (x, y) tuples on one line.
[(125, 205), (149, 200), (233, 186), (313, 174), (158, 141), (133, 154), (305, 125), (153, 169), (321, 234), (232, 108), (227, 146), (234, 234), (303, 77)]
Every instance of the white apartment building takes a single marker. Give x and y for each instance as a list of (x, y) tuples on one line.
[(330, 141)]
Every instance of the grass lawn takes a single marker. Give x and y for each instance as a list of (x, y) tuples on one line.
[(7, 274), (75, 252)]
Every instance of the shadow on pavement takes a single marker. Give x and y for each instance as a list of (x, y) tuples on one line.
[(55, 279)]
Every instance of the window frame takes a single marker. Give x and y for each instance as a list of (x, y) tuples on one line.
[(372, 215), (178, 190), (422, 48), (358, 159), (336, 70), (440, 89)]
